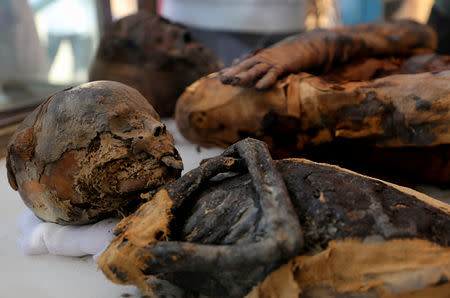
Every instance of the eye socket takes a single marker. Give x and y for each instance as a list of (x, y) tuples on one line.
[(175, 153), (120, 124), (123, 124)]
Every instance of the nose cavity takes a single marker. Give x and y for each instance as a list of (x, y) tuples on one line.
[(159, 130)]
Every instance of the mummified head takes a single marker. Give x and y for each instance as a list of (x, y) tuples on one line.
[(88, 152), (153, 55)]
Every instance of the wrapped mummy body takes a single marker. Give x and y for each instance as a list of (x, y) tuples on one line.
[(153, 55), (377, 127), (86, 153), (374, 115), (223, 227)]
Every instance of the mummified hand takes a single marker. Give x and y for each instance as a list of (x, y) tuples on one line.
[(321, 48)]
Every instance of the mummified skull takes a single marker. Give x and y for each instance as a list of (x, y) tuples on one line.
[(88, 152)]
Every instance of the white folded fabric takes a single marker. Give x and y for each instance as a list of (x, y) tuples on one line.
[(49, 238)]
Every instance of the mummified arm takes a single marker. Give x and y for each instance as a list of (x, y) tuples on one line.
[(279, 223), (321, 48), (136, 252)]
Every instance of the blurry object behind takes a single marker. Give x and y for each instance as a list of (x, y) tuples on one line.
[(361, 11), (440, 20), (235, 28), (21, 54), (322, 14), (155, 56), (68, 30), (417, 10), (435, 13)]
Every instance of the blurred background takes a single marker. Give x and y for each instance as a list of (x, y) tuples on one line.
[(47, 45)]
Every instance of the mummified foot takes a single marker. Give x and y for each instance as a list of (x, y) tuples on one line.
[(223, 227)]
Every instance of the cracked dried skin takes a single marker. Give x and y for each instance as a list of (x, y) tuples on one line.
[(323, 48), (374, 116), (87, 153), (158, 58), (222, 239)]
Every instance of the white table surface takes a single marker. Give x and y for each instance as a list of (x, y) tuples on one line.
[(48, 276), (44, 276)]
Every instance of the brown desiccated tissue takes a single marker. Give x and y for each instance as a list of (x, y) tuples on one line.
[(352, 267)]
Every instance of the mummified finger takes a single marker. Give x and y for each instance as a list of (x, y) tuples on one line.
[(322, 48)]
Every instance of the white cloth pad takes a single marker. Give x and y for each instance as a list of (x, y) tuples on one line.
[(42, 237)]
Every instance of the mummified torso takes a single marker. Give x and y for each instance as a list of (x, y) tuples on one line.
[(226, 213), (228, 233)]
